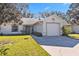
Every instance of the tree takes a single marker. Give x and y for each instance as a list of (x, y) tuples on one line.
[(73, 13), (11, 12), (49, 13), (23, 8)]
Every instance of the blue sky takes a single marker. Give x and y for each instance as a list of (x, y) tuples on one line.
[(40, 7)]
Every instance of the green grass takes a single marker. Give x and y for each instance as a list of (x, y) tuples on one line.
[(76, 36), (22, 46)]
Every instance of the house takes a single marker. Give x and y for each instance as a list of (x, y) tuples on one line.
[(74, 25), (49, 26)]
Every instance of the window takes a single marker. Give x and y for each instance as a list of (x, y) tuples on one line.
[(14, 28)]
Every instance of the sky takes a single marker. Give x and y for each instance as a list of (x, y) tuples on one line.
[(41, 7)]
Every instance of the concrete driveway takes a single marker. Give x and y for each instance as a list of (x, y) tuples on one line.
[(59, 46)]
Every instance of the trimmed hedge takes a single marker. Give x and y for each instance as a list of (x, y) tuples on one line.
[(67, 29), (37, 34)]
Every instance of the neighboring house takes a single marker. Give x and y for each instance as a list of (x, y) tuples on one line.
[(75, 28), (74, 25), (73, 14), (49, 26)]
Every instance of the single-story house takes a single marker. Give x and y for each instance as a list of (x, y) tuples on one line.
[(49, 26)]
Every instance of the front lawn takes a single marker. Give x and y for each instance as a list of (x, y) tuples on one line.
[(75, 36), (20, 46)]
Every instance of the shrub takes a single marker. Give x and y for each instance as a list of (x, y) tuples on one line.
[(37, 33), (67, 29)]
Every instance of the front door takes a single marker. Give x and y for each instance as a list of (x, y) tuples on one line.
[(27, 29)]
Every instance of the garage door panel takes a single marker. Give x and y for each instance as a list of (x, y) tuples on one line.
[(53, 29)]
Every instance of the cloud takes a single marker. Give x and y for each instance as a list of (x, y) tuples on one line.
[(47, 8)]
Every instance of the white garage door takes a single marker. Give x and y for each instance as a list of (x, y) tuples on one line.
[(53, 29)]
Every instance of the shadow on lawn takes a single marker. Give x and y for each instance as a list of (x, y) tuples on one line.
[(62, 41)]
